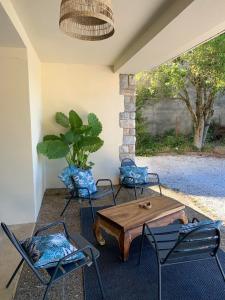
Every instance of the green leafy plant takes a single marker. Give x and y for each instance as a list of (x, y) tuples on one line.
[(196, 78), (77, 141)]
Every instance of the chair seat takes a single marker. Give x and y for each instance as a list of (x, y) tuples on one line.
[(140, 185), (80, 243), (100, 194)]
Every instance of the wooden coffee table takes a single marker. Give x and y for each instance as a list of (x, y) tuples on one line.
[(125, 221)]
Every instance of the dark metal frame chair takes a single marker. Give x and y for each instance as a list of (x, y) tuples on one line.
[(153, 180), (171, 248), (61, 270), (100, 194)]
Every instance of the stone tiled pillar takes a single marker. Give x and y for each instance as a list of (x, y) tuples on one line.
[(127, 117)]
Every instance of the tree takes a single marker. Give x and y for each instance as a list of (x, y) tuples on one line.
[(196, 78)]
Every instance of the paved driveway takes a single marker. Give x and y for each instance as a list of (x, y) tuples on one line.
[(200, 177)]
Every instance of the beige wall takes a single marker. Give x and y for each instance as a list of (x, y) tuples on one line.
[(16, 184), (84, 89), (34, 115)]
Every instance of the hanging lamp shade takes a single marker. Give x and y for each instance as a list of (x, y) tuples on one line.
[(90, 20)]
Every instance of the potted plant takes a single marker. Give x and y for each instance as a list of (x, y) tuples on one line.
[(75, 144)]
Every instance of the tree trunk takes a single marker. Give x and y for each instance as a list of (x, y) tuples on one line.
[(199, 134), (205, 133)]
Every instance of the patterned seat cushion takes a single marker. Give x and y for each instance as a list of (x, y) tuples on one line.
[(65, 176), (139, 175), (46, 251), (186, 228), (84, 179)]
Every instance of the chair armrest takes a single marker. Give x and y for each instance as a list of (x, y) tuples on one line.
[(154, 175), (106, 180), (46, 227), (102, 180)]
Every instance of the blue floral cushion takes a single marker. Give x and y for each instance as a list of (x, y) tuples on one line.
[(65, 176), (84, 179), (139, 174), (46, 251), (186, 228)]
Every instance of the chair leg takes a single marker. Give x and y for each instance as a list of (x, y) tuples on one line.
[(14, 273), (159, 282), (220, 267), (135, 193), (114, 198), (141, 246), (117, 193), (98, 276), (92, 211), (160, 189), (46, 291), (67, 204)]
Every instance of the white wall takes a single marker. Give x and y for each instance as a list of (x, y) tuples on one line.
[(34, 114), (16, 173), (85, 89)]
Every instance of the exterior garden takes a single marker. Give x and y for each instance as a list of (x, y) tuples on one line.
[(196, 80)]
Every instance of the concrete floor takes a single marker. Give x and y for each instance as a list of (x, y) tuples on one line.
[(69, 288), (9, 259)]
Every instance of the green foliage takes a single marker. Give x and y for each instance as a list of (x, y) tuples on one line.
[(201, 70), (75, 120), (203, 66), (75, 144), (168, 142), (95, 125), (62, 120)]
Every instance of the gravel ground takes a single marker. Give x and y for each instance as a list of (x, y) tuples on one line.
[(202, 178)]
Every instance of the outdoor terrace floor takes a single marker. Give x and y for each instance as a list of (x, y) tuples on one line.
[(71, 287)]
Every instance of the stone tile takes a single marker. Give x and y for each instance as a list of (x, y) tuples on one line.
[(129, 107), (124, 149), (127, 124), (124, 83), (129, 140), (124, 116), (132, 131), (131, 79)]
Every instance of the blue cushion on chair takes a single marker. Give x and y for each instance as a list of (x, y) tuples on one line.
[(46, 251), (186, 228), (65, 176), (140, 175), (84, 179)]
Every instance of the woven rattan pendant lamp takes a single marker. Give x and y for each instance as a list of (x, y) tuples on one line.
[(89, 20)]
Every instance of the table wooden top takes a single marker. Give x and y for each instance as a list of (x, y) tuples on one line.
[(130, 215)]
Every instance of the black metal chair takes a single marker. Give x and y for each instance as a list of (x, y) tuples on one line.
[(153, 180), (61, 270), (171, 247), (100, 194)]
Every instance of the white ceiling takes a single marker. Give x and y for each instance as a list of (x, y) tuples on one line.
[(40, 19), (8, 34), (147, 32)]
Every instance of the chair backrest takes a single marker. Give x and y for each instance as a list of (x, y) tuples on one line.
[(17, 244), (127, 162), (171, 246), (203, 240)]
